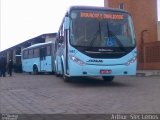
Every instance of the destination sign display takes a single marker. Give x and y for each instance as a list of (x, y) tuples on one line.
[(113, 16)]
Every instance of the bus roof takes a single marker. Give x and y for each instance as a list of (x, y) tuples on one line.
[(38, 44), (96, 8)]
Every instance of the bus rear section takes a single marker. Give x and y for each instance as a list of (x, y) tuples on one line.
[(38, 58)]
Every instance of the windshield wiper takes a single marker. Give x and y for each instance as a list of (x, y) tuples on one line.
[(110, 33), (95, 36)]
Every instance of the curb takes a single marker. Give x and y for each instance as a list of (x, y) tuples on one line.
[(146, 73)]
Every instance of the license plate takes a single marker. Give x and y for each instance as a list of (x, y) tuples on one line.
[(105, 71)]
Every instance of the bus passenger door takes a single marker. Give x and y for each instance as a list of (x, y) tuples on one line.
[(42, 58)]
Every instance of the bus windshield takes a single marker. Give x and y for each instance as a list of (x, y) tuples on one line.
[(101, 29)]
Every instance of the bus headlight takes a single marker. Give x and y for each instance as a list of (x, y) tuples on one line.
[(77, 60), (131, 61)]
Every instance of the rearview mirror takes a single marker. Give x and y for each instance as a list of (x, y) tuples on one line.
[(66, 22), (61, 39)]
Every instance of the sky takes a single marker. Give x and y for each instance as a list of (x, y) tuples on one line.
[(25, 19)]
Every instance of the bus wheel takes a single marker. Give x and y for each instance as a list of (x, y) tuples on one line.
[(57, 74), (108, 78), (35, 70), (66, 78)]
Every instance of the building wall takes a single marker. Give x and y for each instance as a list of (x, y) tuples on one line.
[(0, 45), (158, 30), (144, 14), (48, 38)]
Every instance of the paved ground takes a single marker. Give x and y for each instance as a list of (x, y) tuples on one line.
[(47, 94)]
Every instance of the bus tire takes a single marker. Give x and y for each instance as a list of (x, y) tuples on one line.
[(57, 74), (65, 78), (35, 70), (108, 78)]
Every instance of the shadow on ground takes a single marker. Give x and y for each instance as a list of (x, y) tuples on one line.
[(96, 82)]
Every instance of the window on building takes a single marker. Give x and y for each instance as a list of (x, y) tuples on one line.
[(121, 6)]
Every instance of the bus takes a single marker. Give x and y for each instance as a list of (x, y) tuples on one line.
[(96, 41), (38, 58)]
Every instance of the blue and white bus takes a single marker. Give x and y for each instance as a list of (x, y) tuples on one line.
[(96, 41), (38, 58)]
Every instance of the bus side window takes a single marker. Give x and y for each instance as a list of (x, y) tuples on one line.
[(58, 40), (48, 50), (36, 52), (30, 55), (61, 36), (43, 53), (25, 54)]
